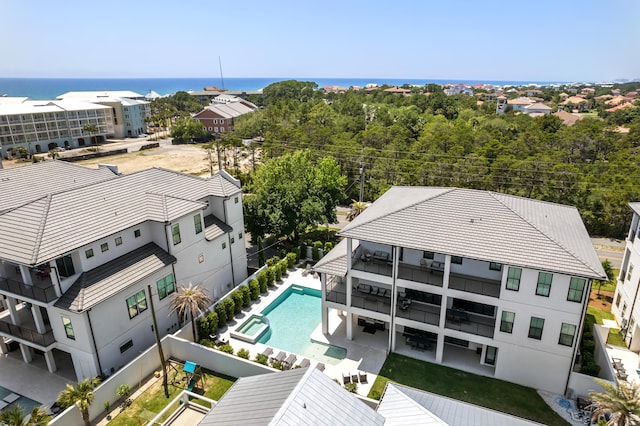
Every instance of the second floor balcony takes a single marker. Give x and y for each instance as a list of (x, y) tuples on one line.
[(41, 289), (27, 329)]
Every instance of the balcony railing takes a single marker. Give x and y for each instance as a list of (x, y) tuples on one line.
[(29, 335), (419, 274), (475, 285), (420, 312), (470, 323), (42, 292)]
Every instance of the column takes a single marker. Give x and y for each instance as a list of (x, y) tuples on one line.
[(348, 290), (4, 349), (443, 309), (11, 306), (26, 353), (26, 275), (55, 281), (440, 348), (51, 363), (37, 317), (395, 251), (325, 309)]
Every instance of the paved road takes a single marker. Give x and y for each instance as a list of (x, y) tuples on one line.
[(611, 249)]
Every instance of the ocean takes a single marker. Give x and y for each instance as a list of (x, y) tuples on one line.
[(50, 88)]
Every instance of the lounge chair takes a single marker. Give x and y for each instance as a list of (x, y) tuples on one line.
[(306, 270), (362, 377), (354, 378), (280, 357), (304, 363), (267, 351), (288, 363), (320, 366), (346, 379)]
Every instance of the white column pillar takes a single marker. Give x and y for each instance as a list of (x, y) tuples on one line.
[(55, 278), (37, 317), (11, 306), (349, 325), (349, 290), (440, 348), (51, 363), (325, 309), (26, 353), (4, 349), (26, 275), (443, 309)]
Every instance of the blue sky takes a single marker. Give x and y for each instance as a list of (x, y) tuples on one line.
[(543, 40)]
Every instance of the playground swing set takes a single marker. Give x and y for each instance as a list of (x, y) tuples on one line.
[(190, 375)]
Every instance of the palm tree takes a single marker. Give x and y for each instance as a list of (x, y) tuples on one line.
[(15, 417), (190, 302), (82, 395), (621, 400)]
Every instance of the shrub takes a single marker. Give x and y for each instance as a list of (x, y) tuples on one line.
[(291, 259), (588, 345), (222, 314), (230, 308), (375, 394), (315, 250), (271, 278), (208, 324), (328, 246), (123, 390), (254, 289), (303, 251), (228, 349), (246, 295), (351, 387), (238, 300), (272, 261), (284, 267), (277, 273), (277, 365), (262, 359), (262, 280), (243, 353), (207, 343)]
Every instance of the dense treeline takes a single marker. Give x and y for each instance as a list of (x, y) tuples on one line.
[(438, 140)]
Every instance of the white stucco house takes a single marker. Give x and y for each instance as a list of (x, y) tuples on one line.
[(476, 280), (86, 253), (626, 308)]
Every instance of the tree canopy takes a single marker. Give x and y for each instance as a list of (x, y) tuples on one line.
[(289, 193), (187, 130)]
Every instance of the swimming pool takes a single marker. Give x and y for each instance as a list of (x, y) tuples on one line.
[(9, 398), (252, 329), (292, 317)]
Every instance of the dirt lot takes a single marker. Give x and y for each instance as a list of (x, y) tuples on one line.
[(182, 158), (602, 302)]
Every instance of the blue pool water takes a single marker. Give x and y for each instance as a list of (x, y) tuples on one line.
[(293, 316), (27, 404)]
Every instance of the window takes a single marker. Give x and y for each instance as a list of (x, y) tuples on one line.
[(104, 247), (535, 328), (224, 245), (506, 324), (235, 200), (65, 266), (88, 253), (165, 286), (490, 355), (513, 278), (456, 259), (197, 222), (137, 304), (136, 233), (68, 328), (428, 254), (544, 284), (126, 346), (630, 272), (240, 237), (175, 233), (118, 241), (495, 266), (618, 299), (576, 289), (233, 240), (567, 333), (624, 309)]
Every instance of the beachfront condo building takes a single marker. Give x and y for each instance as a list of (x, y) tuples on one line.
[(480, 281), (39, 126), (626, 308), (86, 255), (130, 110)]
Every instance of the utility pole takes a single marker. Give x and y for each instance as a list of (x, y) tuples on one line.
[(361, 182)]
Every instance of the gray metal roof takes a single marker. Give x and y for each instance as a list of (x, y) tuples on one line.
[(99, 284), (635, 207), (335, 262), (63, 221), (20, 185), (402, 405), (214, 227), (303, 396), (481, 225)]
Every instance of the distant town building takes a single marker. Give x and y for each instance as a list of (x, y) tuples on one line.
[(220, 118)]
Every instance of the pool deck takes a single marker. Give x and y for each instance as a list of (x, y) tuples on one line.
[(362, 352)]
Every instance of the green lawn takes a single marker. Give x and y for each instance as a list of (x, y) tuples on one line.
[(615, 338), (152, 401), (485, 391)]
